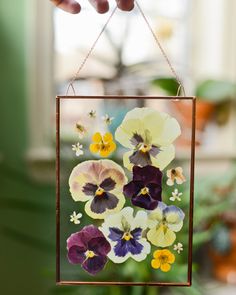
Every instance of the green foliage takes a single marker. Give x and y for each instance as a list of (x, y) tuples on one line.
[(216, 91), (167, 84)]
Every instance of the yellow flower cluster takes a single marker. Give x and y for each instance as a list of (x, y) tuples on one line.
[(103, 145)]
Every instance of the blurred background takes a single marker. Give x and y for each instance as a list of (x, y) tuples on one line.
[(41, 48)]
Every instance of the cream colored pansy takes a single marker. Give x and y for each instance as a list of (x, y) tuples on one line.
[(149, 135), (175, 174), (124, 231), (163, 222), (100, 184)]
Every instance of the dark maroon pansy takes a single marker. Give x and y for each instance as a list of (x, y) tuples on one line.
[(146, 187), (89, 248)]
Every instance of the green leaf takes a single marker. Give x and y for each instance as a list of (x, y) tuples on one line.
[(216, 91), (169, 85)]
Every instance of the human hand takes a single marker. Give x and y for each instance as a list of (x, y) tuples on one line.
[(102, 6)]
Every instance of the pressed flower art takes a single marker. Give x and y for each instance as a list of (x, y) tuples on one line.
[(99, 184), (163, 259), (164, 222), (146, 187), (89, 248), (149, 136), (124, 233), (103, 145), (124, 193)]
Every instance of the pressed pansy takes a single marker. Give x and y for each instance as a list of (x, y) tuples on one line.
[(149, 135), (89, 248), (163, 222), (75, 217), (175, 174), (104, 145), (176, 195), (80, 129), (107, 119), (92, 114), (145, 188), (100, 184), (78, 149), (163, 259), (178, 247), (125, 234)]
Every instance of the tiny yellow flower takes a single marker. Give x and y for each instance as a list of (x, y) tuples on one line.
[(92, 114), (81, 130), (104, 145), (162, 259)]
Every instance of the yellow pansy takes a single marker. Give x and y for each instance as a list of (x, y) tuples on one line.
[(102, 145), (163, 259)]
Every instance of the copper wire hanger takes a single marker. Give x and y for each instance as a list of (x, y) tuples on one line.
[(171, 67)]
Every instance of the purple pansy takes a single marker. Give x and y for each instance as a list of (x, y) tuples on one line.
[(89, 248), (146, 187)]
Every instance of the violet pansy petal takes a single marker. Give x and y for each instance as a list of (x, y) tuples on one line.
[(155, 191), (100, 246), (101, 203), (147, 174), (76, 255), (89, 189), (136, 233), (140, 158), (78, 240), (108, 184), (135, 247), (115, 234), (144, 201), (95, 264), (121, 249), (132, 189), (154, 151)]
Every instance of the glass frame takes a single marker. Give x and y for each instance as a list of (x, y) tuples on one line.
[(191, 197)]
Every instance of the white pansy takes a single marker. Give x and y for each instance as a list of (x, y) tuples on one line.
[(124, 231)]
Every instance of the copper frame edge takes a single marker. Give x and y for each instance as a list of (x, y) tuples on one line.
[(191, 205)]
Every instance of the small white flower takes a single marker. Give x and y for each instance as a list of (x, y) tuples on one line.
[(178, 247), (75, 217), (78, 149), (92, 114), (107, 119), (176, 195)]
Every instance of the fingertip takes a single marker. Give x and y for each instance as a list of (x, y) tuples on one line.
[(125, 5), (70, 6), (101, 6)]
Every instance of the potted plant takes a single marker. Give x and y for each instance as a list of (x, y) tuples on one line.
[(214, 97)]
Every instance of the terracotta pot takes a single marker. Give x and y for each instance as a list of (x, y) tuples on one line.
[(224, 266), (183, 110)]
